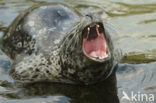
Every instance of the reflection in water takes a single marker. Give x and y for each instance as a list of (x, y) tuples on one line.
[(100, 93), (105, 92)]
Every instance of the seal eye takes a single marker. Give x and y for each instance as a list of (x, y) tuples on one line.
[(94, 42)]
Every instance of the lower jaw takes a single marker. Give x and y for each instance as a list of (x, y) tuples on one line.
[(97, 59), (94, 54)]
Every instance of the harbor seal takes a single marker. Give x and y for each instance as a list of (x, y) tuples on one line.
[(56, 43)]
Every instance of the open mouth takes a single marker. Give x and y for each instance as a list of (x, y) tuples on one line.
[(94, 42)]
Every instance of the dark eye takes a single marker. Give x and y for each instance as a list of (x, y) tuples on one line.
[(101, 28)]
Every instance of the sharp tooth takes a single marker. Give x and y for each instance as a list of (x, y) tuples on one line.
[(105, 54), (97, 26), (88, 31)]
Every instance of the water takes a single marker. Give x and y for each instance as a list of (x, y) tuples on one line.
[(135, 23)]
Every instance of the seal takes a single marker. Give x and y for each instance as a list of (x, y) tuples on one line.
[(56, 43)]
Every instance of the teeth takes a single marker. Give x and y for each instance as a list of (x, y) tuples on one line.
[(105, 54), (96, 55), (97, 26), (88, 31)]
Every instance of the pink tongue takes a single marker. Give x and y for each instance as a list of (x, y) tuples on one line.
[(96, 47)]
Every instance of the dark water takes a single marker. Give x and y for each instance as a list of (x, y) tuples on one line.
[(133, 20)]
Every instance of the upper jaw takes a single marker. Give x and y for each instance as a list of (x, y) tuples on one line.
[(94, 43)]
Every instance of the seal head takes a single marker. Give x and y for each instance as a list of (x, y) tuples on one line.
[(55, 43), (88, 50)]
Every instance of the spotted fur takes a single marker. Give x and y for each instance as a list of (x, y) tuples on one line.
[(46, 45)]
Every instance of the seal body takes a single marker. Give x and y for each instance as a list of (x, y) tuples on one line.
[(46, 44)]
